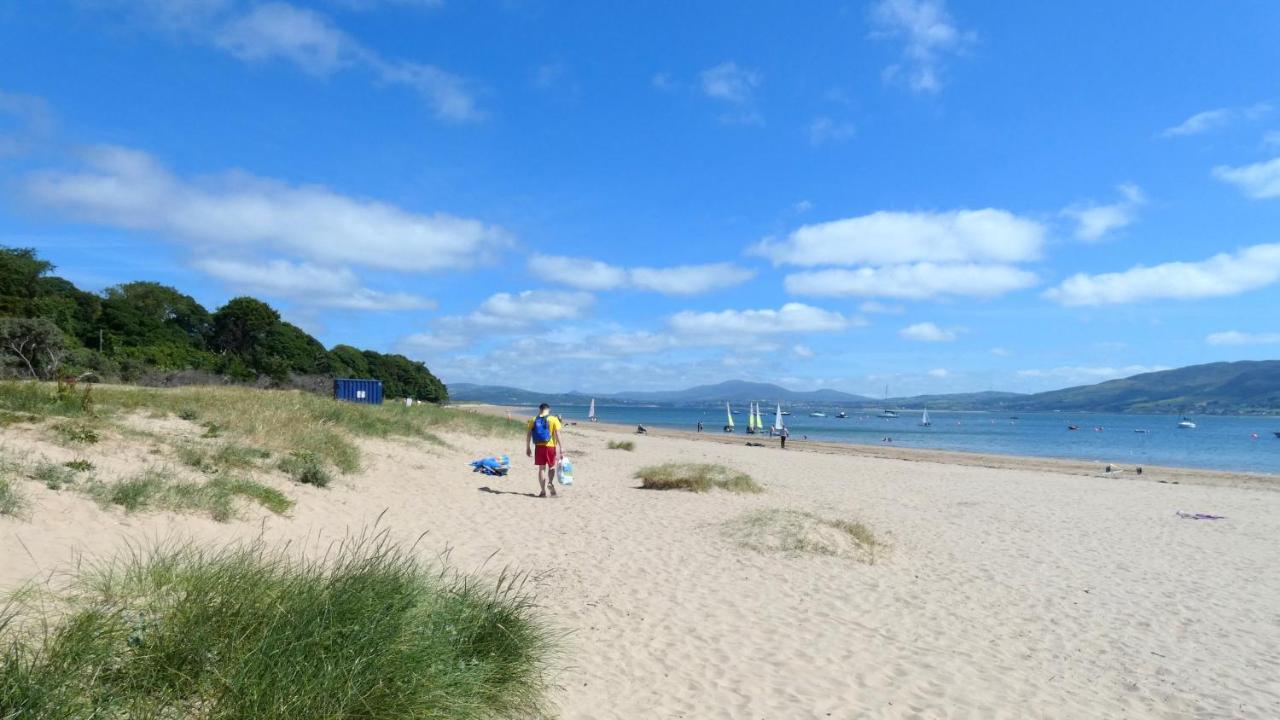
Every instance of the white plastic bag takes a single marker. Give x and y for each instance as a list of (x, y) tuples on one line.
[(566, 471)]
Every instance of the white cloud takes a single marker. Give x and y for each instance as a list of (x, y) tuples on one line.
[(1224, 274), (363, 5), (307, 39), (801, 207), (884, 238), (1083, 374), (279, 30), (928, 35), (690, 279), (999, 352), (939, 373), (803, 352), (874, 307), (1271, 138), (661, 81), (790, 318), (824, 129), (531, 307), (1260, 180), (1094, 221), (915, 282), (927, 332), (1203, 122), (32, 122), (1235, 337), (128, 189), (307, 284), (730, 83), (587, 274)]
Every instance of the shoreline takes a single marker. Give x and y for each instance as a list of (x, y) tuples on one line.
[(1062, 466)]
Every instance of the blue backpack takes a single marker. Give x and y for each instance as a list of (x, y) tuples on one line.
[(541, 430)]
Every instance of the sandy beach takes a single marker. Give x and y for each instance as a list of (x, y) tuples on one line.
[(1003, 588)]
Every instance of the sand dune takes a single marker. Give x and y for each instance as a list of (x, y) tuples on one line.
[(999, 592)]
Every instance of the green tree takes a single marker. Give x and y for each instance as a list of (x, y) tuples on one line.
[(32, 346), (240, 326)]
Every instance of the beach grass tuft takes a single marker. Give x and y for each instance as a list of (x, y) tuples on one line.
[(53, 475), (13, 502), (76, 433), (307, 468), (158, 488), (79, 465), (695, 477), (250, 632), (803, 533), (621, 445)]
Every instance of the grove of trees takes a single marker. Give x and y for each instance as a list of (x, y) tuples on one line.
[(49, 328)]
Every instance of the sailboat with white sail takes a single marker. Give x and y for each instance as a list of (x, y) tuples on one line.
[(728, 418), (591, 414), (777, 419), (924, 418), (751, 419)]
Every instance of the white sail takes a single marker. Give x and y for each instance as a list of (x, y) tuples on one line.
[(751, 418), (924, 418), (777, 418), (759, 417), (728, 412), (591, 414)]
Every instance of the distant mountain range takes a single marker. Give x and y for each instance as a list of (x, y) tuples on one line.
[(1251, 387)]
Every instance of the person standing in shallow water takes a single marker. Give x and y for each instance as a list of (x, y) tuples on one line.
[(542, 442)]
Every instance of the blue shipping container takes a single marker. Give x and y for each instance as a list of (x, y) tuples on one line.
[(358, 391)]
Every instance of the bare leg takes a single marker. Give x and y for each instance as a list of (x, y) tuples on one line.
[(542, 481), (551, 479)]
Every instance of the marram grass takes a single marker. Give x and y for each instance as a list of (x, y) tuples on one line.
[(248, 632), (275, 421), (696, 477)]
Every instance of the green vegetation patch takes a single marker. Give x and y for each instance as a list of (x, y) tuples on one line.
[(158, 489), (799, 532), (76, 433), (79, 465), (695, 477), (13, 502), (247, 632), (307, 468), (54, 476), (621, 445)]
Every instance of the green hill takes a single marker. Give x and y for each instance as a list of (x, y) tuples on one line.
[(1246, 386), (154, 334)]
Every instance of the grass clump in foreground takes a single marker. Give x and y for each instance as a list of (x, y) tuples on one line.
[(621, 445), (798, 532), (156, 488), (13, 502), (54, 476), (306, 468), (696, 477), (247, 632)]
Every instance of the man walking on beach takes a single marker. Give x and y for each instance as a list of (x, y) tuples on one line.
[(540, 443), (784, 433)]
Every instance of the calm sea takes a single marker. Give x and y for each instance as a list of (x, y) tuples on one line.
[(1218, 442)]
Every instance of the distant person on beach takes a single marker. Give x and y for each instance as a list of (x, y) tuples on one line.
[(699, 426), (540, 443), (784, 433)]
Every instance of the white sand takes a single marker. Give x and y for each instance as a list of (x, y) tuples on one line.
[(1004, 592)]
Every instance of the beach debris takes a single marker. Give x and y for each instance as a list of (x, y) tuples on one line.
[(497, 466), (1199, 516)]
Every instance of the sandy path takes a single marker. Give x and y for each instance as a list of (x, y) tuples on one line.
[(1005, 592)]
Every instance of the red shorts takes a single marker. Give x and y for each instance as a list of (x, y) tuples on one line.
[(544, 455)]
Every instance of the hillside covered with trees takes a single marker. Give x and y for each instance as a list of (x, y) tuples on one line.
[(136, 331)]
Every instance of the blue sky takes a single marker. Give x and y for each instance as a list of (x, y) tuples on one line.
[(934, 196)]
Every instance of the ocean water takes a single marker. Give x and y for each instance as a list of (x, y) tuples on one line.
[(1218, 443)]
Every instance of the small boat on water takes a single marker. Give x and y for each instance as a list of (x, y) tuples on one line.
[(728, 417), (1140, 430), (924, 418), (1073, 427), (1186, 424), (1277, 433), (842, 415), (817, 414), (786, 413)]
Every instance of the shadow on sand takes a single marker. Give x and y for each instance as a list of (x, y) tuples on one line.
[(491, 491)]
